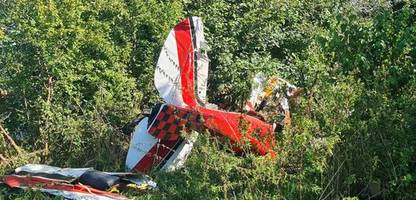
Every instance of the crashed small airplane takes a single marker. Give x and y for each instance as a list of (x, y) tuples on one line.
[(181, 79), (158, 141)]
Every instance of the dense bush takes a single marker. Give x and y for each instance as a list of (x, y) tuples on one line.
[(379, 146), (76, 72), (69, 66)]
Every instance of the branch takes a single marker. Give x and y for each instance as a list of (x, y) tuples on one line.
[(9, 139), (2, 158), (50, 82)]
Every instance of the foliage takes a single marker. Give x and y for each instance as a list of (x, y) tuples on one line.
[(78, 71), (380, 53), (68, 67)]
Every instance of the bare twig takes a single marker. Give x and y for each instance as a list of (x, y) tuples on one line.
[(310, 100), (2, 158), (330, 181), (9, 139), (329, 193), (50, 82), (389, 156)]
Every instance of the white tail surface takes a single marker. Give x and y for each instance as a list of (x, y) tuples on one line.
[(182, 69)]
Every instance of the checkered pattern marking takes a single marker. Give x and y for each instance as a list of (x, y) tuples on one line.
[(172, 120)]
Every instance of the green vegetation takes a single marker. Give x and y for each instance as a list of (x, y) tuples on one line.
[(76, 72)]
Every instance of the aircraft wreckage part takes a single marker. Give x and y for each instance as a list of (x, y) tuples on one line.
[(171, 121), (182, 68), (140, 144), (181, 79), (76, 183), (237, 127), (147, 152), (51, 171), (186, 60), (240, 128), (157, 143), (57, 187)]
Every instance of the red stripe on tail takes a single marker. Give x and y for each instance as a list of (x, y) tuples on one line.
[(186, 61)]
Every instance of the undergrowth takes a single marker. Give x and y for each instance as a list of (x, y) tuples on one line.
[(76, 72)]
